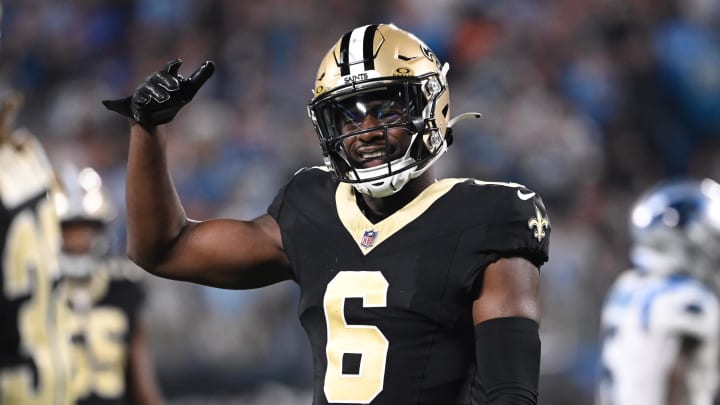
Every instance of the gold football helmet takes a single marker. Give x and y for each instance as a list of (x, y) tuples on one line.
[(82, 201), (82, 196), (387, 73)]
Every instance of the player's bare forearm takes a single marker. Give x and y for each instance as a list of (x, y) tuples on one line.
[(155, 215)]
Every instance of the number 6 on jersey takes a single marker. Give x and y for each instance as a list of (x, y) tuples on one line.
[(365, 341)]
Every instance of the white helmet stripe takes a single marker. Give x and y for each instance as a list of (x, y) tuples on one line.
[(356, 54), (360, 52)]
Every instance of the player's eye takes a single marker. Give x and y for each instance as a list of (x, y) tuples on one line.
[(348, 119), (390, 112)]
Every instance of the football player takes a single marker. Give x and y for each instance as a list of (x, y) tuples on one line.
[(110, 347), (661, 319), (414, 290), (34, 351)]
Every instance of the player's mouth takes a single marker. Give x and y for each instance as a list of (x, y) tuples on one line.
[(373, 156)]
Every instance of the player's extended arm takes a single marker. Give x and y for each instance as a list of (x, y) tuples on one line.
[(161, 239), (506, 316)]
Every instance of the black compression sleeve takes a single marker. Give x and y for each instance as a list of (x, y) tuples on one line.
[(507, 355)]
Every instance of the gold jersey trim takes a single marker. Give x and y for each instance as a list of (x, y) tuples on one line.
[(357, 224)]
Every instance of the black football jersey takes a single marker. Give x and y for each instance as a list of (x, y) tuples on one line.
[(387, 306), (105, 308), (34, 349)]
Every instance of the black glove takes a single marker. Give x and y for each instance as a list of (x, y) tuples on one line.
[(162, 95)]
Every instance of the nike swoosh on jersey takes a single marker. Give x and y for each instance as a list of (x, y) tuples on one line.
[(525, 196)]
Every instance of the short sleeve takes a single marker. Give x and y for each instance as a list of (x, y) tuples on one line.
[(519, 226)]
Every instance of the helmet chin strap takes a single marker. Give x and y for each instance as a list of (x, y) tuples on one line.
[(463, 116), (449, 130)]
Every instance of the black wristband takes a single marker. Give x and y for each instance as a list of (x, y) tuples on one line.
[(507, 355)]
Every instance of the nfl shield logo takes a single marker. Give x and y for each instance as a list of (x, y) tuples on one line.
[(368, 238)]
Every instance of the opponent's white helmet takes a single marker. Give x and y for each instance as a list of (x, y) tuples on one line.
[(676, 229), (382, 63)]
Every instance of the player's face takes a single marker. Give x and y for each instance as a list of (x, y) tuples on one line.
[(381, 135), (78, 237)]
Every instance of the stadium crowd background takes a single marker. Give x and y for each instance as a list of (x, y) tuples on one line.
[(589, 102)]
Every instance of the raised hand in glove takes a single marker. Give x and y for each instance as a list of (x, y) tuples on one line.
[(162, 95)]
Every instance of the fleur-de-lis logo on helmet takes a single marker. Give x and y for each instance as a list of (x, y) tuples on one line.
[(538, 224)]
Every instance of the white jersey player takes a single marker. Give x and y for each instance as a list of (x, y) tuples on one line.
[(661, 320)]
